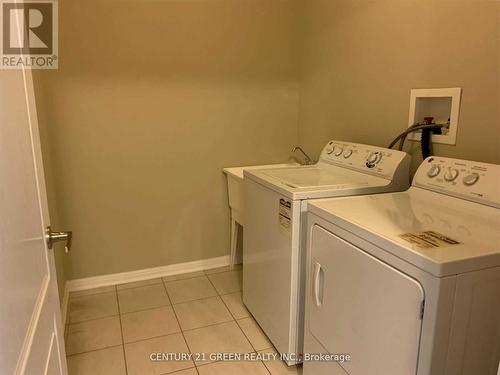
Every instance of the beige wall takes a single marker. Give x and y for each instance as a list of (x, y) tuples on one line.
[(151, 100), (154, 98), (361, 58)]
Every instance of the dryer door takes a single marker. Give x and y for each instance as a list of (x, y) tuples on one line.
[(363, 307)]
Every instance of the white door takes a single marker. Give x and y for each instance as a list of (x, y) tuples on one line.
[(31, 335), (363, 307)]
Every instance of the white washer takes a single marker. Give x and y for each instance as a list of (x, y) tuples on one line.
[(274, 240), (409, 282)]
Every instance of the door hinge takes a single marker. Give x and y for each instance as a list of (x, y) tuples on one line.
[(422, 308)]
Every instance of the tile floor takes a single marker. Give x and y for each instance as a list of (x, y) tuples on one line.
[(113, 330)]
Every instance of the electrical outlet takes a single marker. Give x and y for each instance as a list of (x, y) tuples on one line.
[(442, 105)]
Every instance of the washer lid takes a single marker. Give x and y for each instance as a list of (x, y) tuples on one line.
[(441, 234), (315, 176), (319, 181)]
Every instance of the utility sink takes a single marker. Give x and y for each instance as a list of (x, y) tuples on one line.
[(236, 204), (235, 187)]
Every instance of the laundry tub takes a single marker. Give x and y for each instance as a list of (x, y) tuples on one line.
[(236, 204)]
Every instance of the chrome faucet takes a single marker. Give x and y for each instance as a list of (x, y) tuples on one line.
[(307, 160)]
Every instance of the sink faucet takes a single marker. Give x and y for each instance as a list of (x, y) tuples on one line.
[(307, 160)]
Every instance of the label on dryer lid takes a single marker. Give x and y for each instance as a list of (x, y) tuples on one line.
[(428, 239), (285, 215)]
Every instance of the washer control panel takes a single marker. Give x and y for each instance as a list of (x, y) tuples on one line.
[(479, 182), (370, 159)]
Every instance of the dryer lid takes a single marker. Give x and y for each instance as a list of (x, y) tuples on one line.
[(441, 234)]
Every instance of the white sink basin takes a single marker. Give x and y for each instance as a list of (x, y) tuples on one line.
[(235, 187), (235, 192)]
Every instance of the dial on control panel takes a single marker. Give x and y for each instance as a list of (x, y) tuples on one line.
[(471, 179), (434, 171), (347, 154), (338, 151), (374, 157), (451, 174)]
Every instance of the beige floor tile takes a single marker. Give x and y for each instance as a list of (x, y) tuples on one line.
[(88, 292), (138, 355), (227, 282), (149, 323), (254, 333), (108, 361), (137, 284), (142, 298), (93, 334), (202, 312), (234, 368), (278, 367), (190, 289), (92, 307), (235, 304), (220, 338), (183, 276), (223, 269)]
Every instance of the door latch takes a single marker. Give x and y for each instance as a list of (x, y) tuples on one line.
[(54, 236)]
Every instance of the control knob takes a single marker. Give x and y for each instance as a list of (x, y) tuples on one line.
[(471, 179), (434, 171), (374, 157), (338, 151), (347, 154), (451, 174)]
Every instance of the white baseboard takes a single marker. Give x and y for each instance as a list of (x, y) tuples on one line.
[(138, 275), (144, 274)]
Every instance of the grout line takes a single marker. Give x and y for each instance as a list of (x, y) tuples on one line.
[(178, 371), (208, 325), (206, 363), (207, 271), (227, 307), (68, 318), (244, 334), (89, 295), (267, 368), (139, 286), (179, 324), (89, 320), (236, 320), (70, 297), (121, 331), (153, 337), (213, 285), (93, 350), (145, 309), (203, 363), (194, 300), (186, 278)]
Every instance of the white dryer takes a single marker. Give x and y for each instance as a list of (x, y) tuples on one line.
[(274, 240), (408, 282)]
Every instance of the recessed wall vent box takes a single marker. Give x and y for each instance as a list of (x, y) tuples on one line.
[(441, 104)]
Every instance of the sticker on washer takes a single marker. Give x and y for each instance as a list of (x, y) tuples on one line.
[(285, 215), (428, 239)]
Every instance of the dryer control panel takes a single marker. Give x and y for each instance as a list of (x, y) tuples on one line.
[(474, 181), (373, 160)]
